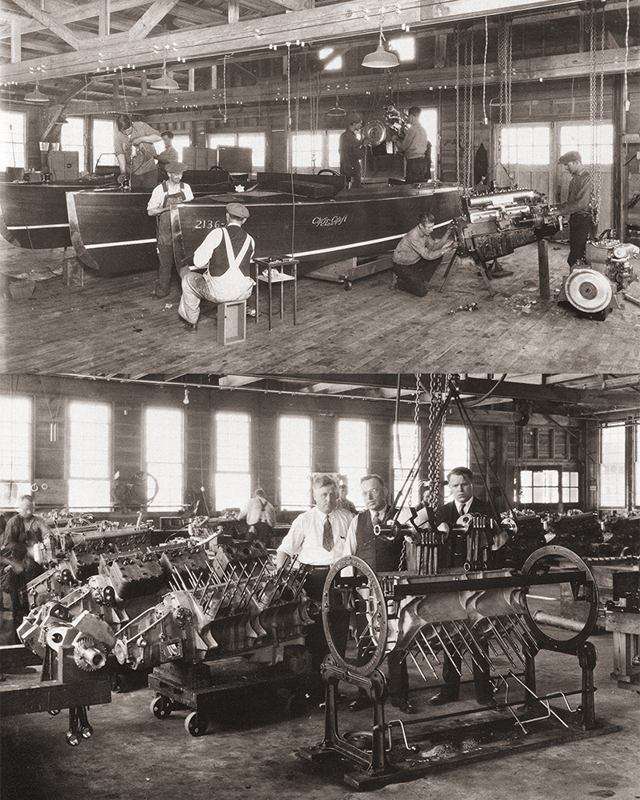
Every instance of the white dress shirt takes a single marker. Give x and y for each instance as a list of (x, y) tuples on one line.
[(305, 537)]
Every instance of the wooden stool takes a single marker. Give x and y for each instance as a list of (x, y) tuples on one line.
[(276, 274), (232, 322)]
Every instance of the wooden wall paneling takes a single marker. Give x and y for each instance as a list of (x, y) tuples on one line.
[(380, 454), (197, 468)]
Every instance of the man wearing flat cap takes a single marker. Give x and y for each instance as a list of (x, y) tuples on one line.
[(166, 194), (578, 207), (351, 150), (226, 253)]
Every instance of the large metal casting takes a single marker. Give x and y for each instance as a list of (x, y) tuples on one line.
[(487, 619), (228, 623)]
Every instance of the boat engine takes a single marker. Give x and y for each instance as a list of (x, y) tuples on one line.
[(393, 123), (495, 224), (600, 287)]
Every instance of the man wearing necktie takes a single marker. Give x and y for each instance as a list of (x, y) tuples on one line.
[(317, 538), (452, 559), (382, 553)]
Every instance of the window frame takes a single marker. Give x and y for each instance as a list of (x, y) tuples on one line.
[(13, 487), (11, 144), (245, 492), (83, 481), (284, 502), (173, 506)]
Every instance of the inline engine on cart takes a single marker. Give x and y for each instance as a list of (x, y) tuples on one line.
[(496, 224)]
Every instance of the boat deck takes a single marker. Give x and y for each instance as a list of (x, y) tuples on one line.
[(114, 326)]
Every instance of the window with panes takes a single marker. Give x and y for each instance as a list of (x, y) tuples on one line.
[(353, 454), (164, 456), (612, 466), (72, 138), (89, 438), (232, 481), (13, 139), (294, 457), (15, 453)]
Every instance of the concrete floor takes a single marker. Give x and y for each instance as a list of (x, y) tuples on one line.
[(135, 756)]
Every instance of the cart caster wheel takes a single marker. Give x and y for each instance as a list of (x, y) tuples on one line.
[(297, 704), (87, 732), (195, 725), (161, 707), (53, 712), (73, 740), (120, 683), (347, 286)]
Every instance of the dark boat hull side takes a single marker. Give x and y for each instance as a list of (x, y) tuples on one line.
[(111, 231), (35, 215), (320, 232)]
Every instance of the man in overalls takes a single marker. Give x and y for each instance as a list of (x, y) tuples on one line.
[(166, 194), (226, 254)]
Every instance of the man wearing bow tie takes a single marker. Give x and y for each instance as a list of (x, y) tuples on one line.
[(317, 538), (369, 540)]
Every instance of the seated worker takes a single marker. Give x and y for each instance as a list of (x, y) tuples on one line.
[(226, 253), (578, 206), (414, 148), (317, 538), (383, 554), (134, 147), (454, 556), (167, 156), (18, 555), (418, 254), (168, 193)]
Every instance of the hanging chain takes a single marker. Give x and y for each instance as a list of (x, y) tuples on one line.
[(224, 88), (596, 107), (437, 384), (505, 63), (458, 134), (469, 120)]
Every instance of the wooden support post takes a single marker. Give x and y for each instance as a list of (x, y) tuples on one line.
[(72, 268), (543, 269)]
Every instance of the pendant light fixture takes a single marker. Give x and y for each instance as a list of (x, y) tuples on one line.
[(381, 58), (336, 111), (165, 82), (36, 96)]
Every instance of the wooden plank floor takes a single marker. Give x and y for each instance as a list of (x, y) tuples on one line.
[(115, 326)]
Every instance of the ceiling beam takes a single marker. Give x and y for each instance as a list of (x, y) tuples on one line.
[(328, 23), (49, 21), (75, 14), (151, 17), (574, 65)]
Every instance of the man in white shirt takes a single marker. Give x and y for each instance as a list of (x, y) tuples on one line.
[(317, 538), (414, 148), (226, 253), (165, 195)]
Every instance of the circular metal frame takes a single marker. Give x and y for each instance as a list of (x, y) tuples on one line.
[(572, 644), (381, 627), (588, 290)]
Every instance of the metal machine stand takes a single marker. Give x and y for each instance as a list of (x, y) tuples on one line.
[(458, 615)]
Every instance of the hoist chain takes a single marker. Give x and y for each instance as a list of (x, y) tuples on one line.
[(596, 105), (458, 133), (437, 385)]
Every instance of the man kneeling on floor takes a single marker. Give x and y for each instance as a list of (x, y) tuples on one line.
[(226, 254), (418, 255)]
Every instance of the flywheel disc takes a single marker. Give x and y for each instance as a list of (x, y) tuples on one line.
[(375, 131), (588, 290)]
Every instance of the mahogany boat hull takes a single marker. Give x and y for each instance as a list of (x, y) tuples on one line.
[(356, 222), (111, 231), (35, 215)]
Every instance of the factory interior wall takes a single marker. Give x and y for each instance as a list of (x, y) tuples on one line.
[(499, 447)]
